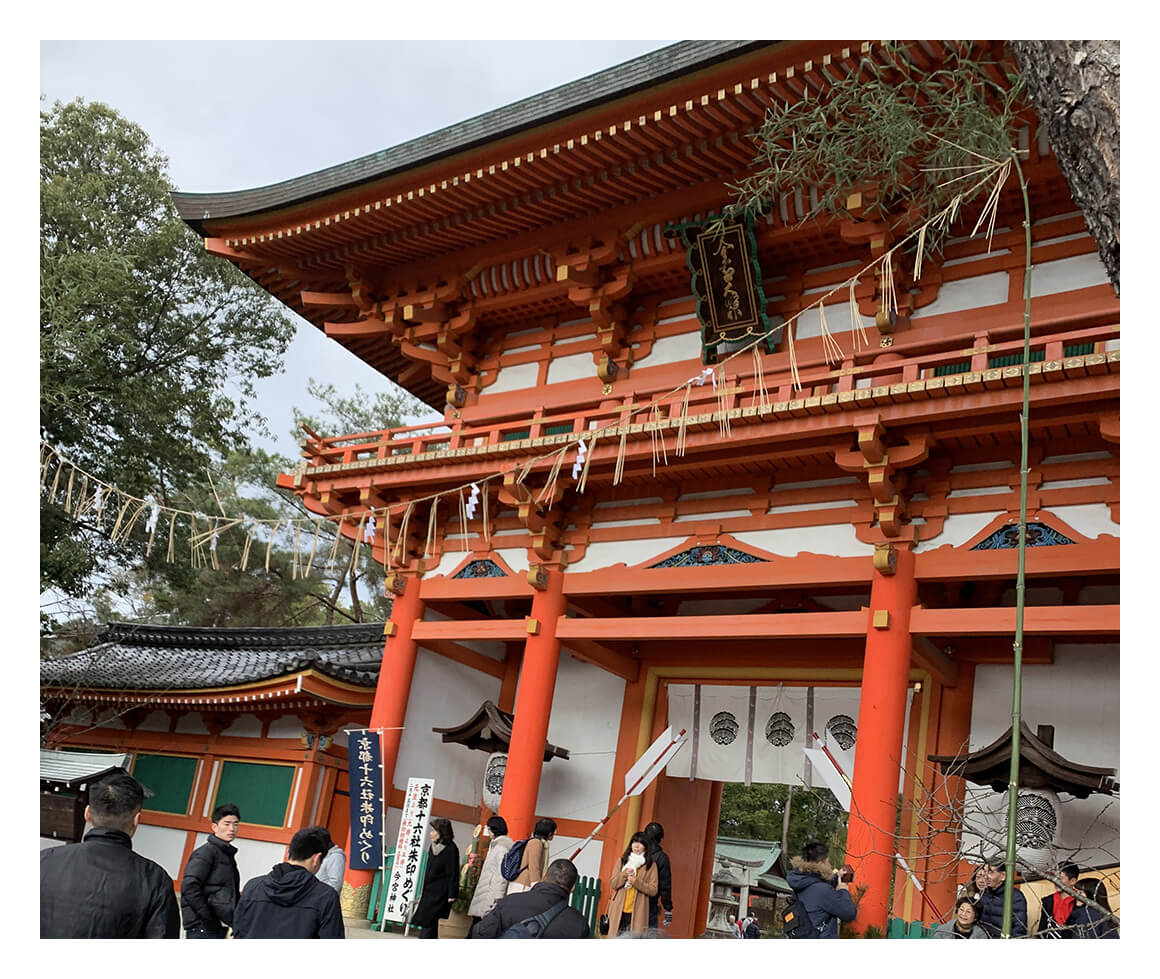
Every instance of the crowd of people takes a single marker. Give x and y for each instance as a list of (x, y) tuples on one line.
[(100, 888), (1071, 911)]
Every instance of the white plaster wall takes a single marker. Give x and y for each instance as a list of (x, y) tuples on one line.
[(676, 349), (957, 530), (585, 719), (1080, 695), (835, 540), (443, 693), (607, 553), (1065, 274), (1090, 519), (518, 377), (574, 367), (285, 727), (46, 843), (809, 322), (447, 563), (588, 863), (161, 845), (954, 297), (245, 726), (191, 723), (515, 558)]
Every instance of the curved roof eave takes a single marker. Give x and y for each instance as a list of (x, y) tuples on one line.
[(584, 93)]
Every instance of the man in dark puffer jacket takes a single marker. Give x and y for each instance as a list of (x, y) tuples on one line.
[(816, 886), (991, 903), (210, 884), (559, 879), (100, 888), (289, 901)]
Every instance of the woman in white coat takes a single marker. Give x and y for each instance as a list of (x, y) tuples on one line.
[(491, 886)]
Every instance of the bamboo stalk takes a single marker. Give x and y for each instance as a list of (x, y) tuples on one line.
[(1020, 579)]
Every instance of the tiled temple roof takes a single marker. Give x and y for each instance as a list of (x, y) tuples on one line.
[(584, 93), (147, 657)]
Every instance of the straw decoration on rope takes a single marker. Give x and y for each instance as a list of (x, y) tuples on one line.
[(80, 503)]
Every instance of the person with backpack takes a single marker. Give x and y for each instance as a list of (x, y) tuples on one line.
[(491, 886), (820, 899), (541, 912), (632, 883), (528, 859), (751, 929)]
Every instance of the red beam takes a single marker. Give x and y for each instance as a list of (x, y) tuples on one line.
[(806, 625), (803, 570), (1074, 620), (501, 629)]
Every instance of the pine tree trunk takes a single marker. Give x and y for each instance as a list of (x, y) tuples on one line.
[(1075, 87)]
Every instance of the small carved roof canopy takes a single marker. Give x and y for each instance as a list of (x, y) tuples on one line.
[(1040, 767), (490, 729)]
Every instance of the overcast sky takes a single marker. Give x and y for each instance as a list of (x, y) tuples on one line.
[(232, 115)]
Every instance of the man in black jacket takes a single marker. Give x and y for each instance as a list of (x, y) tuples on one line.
[(654, 833), (991, 903), (100, 888), (559, 879), (289, 901), (210, 884)]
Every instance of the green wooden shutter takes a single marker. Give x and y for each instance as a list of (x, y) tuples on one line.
[(169, 778), (260, 791)]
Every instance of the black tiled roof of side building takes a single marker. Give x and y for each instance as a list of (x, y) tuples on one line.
[(127, 656)]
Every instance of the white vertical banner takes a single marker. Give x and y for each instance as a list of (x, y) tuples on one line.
[(781, 735), (412, 841)]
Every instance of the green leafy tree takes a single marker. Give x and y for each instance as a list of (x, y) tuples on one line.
[(358, 412), (149, 347), (755, 812)]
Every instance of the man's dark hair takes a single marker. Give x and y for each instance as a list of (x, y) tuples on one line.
[(443, 828), (654, 833), (562, 873), (497, 825), (307, 842), (329, 839), (1069, 870), (545, 828), (996, 863), (114, 801), (225, 809), (814, 851)]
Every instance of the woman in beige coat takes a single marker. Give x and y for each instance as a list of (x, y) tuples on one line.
[(491, 885), (633, 882), (534, 860)]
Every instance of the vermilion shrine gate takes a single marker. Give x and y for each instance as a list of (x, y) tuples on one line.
[(525, 273)]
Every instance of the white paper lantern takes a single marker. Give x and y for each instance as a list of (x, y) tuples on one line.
[(493, 774)]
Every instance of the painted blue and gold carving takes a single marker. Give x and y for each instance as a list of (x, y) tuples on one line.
[(482, 569), (1038, 535), (711, 554)]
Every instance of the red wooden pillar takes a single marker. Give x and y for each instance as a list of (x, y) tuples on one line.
[(521, 782), (881, 719), (390, 708)]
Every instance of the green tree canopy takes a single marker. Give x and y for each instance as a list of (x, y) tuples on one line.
[(149, 347), (754, 812)]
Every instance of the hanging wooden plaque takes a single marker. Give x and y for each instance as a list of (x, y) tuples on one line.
[(726, 278)]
